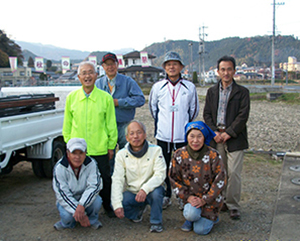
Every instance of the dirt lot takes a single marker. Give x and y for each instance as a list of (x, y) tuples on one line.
[(28, 212)]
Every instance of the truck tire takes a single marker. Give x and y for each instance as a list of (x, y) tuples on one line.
[(58, 151), (37, 167)]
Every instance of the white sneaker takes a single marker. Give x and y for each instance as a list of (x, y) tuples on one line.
[(180, 203), (166, 202)]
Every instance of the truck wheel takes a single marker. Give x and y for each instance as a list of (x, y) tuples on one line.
[(37, 167), (57, 153)]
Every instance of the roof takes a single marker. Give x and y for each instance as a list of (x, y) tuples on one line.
[(136, 54), (135, 68)]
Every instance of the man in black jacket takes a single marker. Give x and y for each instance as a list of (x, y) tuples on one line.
[(226, 112)]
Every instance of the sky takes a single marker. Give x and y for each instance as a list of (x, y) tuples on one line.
[(97, 25)]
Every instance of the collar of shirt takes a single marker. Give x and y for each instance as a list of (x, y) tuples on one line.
[(229, 87), (112, 81), (87, 95)]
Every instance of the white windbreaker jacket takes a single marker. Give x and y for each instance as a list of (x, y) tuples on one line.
[(69, 190), (172, 107), (147, 173)]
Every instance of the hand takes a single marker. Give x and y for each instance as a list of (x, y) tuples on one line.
[(81, 217), (141, 196), (116, 102), (120, 213), (196, 202), (225, 137), (110, 154), (218, 138)]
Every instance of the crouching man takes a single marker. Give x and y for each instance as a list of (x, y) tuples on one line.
[(77, 183), (141, 168)]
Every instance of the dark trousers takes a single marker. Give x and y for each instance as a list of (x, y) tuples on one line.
[(167, 148), (104, 168)]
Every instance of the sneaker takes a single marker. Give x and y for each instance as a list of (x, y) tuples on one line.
[(156, 228), (110, 213), (187, 226), (96, 225), (139, 217), (166, 202), (181, 204), (58, 226)]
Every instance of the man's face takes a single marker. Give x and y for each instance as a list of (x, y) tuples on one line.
[(110, 67), (76, 158), (87, 76), (226, 71), (173, 69), (135, 136)]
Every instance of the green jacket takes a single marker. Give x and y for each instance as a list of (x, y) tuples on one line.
[(91, 118)]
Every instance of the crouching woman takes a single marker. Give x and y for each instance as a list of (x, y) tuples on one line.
[(198, 176)]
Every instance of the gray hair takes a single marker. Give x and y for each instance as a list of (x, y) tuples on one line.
[(138, 122), (84, 63)]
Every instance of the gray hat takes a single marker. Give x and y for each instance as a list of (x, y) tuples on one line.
[(76, 144), (172, 56)]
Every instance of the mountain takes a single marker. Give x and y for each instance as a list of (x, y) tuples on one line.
[(52, 52), (254, 51)]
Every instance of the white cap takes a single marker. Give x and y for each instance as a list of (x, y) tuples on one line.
[(76, 144)]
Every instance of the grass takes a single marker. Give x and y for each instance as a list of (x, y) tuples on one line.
[(288, 98), (261, 157)]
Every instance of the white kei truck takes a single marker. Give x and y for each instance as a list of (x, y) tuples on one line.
[(31, 130)]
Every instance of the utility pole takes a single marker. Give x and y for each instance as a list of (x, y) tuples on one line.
[(201, 54), (191, 60), (273, 42)]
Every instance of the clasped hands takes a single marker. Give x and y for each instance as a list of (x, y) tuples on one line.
[(196, 202), (81, 217)]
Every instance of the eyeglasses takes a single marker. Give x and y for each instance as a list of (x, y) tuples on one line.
[(87, 73)]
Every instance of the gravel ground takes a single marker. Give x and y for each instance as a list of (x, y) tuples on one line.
[(27, 203)]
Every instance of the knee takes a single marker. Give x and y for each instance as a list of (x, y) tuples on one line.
[(191, 213), (202, 230), (97, 203), (157, 194)]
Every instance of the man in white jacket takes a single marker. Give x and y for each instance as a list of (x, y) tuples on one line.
[(141, 168), (173, 103), (77, 183)]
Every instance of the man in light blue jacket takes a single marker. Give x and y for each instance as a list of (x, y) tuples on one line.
[(77, 183), (126, 93)]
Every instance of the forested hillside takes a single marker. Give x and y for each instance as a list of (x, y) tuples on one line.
[(254, 51)]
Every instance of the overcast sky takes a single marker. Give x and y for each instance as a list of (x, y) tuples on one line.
[(97, 25)]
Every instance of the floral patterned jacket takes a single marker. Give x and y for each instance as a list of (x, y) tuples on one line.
[(204, 177)]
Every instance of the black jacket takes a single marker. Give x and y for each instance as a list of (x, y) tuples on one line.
[(237, 114)]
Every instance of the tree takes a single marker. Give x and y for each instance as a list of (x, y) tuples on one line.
[(3, 59), (49, 64), (30, 62), (195, 77), (11, 49)]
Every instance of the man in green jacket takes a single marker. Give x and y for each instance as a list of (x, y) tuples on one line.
[(90, 114)]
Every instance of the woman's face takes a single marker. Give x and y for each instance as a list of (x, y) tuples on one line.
[(195, 139)]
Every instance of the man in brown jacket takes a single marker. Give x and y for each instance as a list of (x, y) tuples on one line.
[(226, 112)]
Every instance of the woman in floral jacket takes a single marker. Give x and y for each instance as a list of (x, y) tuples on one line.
[(198, 177)]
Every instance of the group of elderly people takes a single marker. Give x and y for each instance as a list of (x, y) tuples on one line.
[(196, 173)]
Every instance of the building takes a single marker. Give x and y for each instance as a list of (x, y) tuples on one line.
[(292, 65), (17, 78), (142, 74)]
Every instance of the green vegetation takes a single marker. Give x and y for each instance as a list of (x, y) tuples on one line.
[(252, 158), (8, 48), (290, 98), (254, 51)]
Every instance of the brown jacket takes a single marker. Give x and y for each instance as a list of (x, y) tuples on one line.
[(237, 114)]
